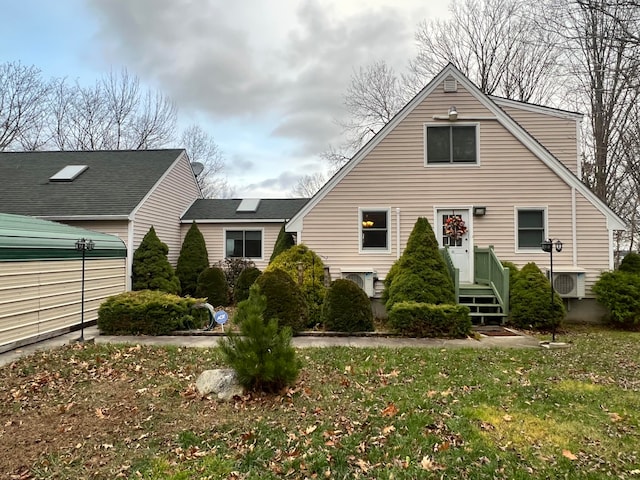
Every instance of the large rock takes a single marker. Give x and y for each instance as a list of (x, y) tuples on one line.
[(222, 382)]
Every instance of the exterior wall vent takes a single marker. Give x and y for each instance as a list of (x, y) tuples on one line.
[(450, 85)]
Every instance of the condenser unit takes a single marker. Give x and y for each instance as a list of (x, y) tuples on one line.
[(363, 279), (568, 284)]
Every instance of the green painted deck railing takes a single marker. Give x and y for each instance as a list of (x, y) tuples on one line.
[(454, 273), (489, 271)]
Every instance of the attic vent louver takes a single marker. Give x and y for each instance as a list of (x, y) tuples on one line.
[(450, 85), (68, 173), (248, 205)]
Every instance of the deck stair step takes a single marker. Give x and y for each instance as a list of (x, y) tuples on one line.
[(483, 304)]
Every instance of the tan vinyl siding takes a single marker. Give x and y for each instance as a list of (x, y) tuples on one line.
[(394, 176), (557, 134), (593, 241), (213, 234), (164, 207), (41, 297)]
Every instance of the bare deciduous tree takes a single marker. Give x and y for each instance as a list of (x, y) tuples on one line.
[(495, 44), (202, 148), (308, 185), (22, 99)]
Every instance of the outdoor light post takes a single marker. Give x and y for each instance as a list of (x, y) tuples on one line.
[(83, 245), (549, 246)]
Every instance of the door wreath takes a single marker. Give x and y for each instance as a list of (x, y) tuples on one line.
[(454, 227)]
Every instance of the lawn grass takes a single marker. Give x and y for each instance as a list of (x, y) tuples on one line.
[(126, 411)]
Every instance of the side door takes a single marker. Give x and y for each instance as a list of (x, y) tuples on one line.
[(453, 231)]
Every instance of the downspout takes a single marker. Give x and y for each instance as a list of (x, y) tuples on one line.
[(397, 233), (574, 227)]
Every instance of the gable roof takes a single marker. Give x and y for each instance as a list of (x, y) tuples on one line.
[(214, 210), (113, 185), (613, 220)]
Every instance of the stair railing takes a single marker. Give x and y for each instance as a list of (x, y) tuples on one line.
[(489, 271), (454, 272)]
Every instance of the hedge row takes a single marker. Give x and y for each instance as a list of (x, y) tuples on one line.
[(416, 319)]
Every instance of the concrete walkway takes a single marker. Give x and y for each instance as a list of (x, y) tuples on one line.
[(203, 340)]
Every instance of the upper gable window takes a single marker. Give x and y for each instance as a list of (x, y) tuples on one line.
[(451, 144)]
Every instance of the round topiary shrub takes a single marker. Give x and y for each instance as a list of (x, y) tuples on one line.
[(298, 261), (347, 308), (285, 301), (619, 292), (212, 284), (531, 301), (630, 263), (244, 282)]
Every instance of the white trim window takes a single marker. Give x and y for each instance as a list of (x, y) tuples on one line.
[(451, 144), (375, 229), (243, 243), (530, 227)]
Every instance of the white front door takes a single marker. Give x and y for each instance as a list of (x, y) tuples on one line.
[(453, 231)]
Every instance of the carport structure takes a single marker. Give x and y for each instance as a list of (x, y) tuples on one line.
[(41, 278)]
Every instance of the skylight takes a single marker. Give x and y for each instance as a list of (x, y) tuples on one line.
[(248, 205), (68, 173)]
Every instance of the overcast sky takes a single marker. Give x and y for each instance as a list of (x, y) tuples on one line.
[(264, 77)]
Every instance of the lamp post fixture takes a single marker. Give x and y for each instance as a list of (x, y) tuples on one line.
[(83, 245), (549, 246)]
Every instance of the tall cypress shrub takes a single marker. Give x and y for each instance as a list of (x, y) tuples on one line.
[(420, 274), (193, 260), (151, 269), (283, 242)]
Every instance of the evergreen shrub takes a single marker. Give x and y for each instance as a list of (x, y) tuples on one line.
[(421, 273), (347, 308), (285, 301), (147, 312), (530, 301), (244, 282), (283, 242), (193, 260), (619, 293), (212, 284), (151, 269), (630, 263), (416, 319), (312, 286), (261, 353)]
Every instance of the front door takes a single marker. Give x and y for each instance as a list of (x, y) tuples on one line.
[(453, 232)]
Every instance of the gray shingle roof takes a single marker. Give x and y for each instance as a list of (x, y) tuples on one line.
[(225, 209), (114, 183)]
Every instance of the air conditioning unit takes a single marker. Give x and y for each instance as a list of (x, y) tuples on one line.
[(568, 284), (363, 279)]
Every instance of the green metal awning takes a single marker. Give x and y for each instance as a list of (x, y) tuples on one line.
[(27, 238)]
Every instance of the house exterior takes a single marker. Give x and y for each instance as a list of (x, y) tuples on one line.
[(122, 192), (235, 228), (508, 170), (43, 275)]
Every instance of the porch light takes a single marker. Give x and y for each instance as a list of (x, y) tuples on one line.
[(83, 245), (453, 113), (479, 211)]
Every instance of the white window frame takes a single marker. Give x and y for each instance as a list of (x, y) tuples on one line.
[(243, 229), (537, 208), (375, 250), (452, 164)]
